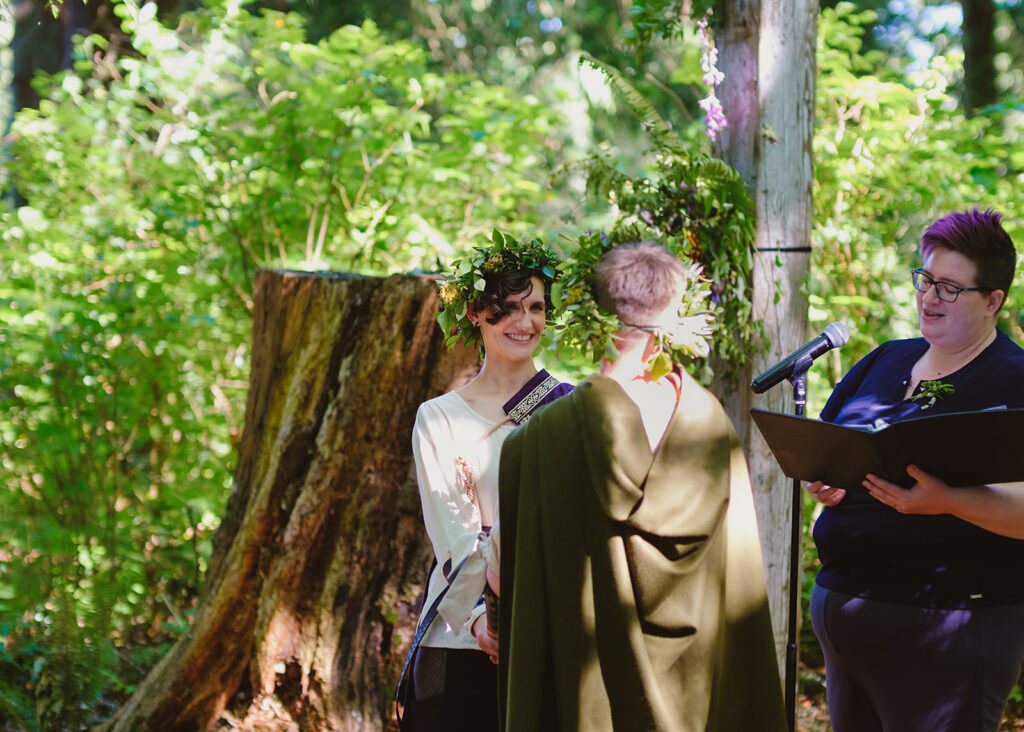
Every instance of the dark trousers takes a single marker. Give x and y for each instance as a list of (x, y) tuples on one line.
[(899, 668), (452, 691)]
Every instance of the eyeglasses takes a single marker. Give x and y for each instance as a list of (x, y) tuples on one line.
[(945, 290)]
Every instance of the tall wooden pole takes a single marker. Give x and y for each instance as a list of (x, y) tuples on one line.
[(767, 54)]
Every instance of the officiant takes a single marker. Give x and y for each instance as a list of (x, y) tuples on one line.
[(919, 603)]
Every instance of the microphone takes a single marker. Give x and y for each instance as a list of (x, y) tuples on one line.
[(835, 335)]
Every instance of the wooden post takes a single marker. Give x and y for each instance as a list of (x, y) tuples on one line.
[(767, 54)]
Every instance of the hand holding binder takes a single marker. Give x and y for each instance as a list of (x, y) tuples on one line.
[(963, 448)]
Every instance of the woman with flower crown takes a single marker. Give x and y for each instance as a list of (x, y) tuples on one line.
[(497, 298)]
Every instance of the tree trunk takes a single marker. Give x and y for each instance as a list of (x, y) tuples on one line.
[(767, 49), (979, 25), (736, 38), (313, 589)]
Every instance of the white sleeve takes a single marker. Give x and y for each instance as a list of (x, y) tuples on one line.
[(491, 549), (451, 518)]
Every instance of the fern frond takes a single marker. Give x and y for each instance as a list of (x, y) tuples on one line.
[(653, 124), (716, 169)]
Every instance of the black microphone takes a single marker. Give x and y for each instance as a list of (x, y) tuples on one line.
[(835, 335)]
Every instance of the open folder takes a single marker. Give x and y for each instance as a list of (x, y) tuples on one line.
[(962, 448)]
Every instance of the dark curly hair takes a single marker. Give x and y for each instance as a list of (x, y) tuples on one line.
[(502, 285)]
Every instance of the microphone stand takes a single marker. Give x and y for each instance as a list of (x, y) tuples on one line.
[(799, 381), (797, 365)]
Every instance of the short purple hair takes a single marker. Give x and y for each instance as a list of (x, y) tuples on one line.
[(980, 237)]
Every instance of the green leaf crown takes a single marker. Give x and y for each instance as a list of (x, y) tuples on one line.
[(468, 278), (584, 326)]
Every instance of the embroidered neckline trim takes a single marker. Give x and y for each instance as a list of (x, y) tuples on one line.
[(521, 412)]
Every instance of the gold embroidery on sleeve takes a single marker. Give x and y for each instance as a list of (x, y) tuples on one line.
[(466, 479)]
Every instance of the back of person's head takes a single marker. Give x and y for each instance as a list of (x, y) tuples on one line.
[(638, 281), (979, 236)]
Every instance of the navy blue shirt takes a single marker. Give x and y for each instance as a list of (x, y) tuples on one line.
[(870, 550)]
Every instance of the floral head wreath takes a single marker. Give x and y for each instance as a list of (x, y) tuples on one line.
[(586, 327), (468, 278)]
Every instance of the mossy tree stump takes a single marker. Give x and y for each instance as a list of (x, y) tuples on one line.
[(313, 587)]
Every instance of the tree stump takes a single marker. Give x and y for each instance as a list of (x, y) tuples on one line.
[(312, 592)]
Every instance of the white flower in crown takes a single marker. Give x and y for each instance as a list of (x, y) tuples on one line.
[(690, 333)]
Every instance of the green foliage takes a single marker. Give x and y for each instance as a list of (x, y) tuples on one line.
[(658, 132), (583, 328), (696, 205), (74, 671), (159, 181), (157, 184), (534, 46), (325, 154), (892, 154), (653, 19), (17, 703), (105, 497)]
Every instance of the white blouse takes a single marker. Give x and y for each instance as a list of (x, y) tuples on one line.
[(457, 452)]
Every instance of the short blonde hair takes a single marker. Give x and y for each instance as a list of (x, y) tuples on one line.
[(638, 281)]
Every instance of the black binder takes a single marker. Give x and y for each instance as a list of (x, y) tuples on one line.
[(961, 448)]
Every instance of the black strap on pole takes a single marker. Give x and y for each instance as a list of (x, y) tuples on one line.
[(799, 250)]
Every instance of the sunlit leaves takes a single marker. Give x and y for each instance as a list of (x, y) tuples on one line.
[(892, 154), (156, 186)]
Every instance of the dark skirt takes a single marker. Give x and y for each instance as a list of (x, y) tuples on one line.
[(452, 690)]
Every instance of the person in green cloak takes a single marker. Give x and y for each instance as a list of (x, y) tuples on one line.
[(629, 570)]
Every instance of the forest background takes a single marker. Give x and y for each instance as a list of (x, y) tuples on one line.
[(194, 142)]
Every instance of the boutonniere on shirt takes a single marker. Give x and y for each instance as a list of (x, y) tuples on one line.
[(931, 391)]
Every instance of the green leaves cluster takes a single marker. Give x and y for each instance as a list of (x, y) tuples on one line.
[(892, 154), (931, 391), (693, 203), (653, 19), (585, 329), (157, 182)]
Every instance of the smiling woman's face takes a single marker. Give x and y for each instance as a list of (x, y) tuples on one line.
[(961, 324), (517, 336)]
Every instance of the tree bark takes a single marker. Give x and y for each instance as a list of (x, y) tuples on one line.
[(736, 38), (313, 588), (767, 47), (979, 25)]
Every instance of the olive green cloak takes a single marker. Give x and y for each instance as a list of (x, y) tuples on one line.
[(632, 589)]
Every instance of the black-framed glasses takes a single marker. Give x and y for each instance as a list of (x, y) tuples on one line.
[(946, 291)]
